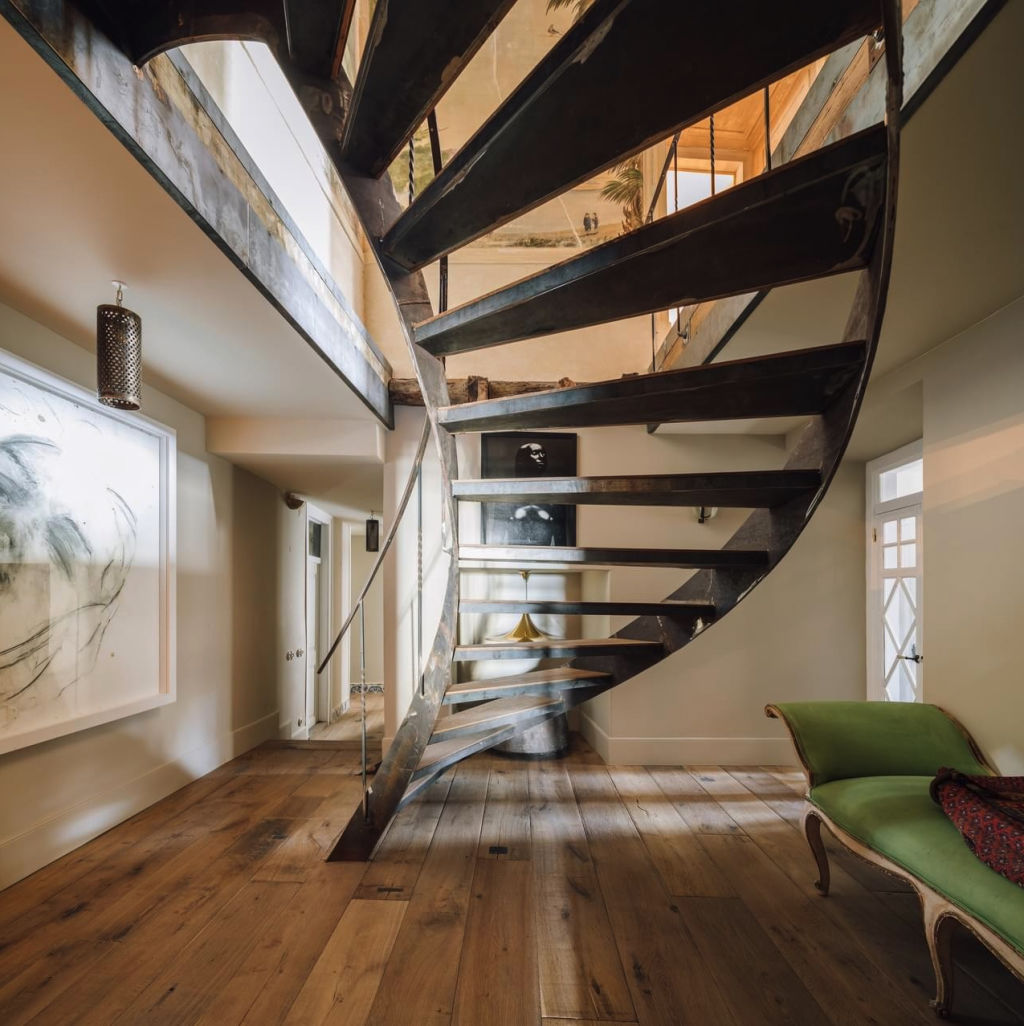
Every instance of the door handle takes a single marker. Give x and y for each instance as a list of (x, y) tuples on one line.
[(914, 656)]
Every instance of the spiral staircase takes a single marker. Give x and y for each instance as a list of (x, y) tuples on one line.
[(828, 212)]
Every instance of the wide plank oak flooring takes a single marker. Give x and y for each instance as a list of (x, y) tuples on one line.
[(550, 893)]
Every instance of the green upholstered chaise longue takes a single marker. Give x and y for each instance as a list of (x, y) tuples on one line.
[(869, 766)]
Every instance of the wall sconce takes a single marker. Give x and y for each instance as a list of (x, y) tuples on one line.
[(372, 534), (118, 354), (705, 513)]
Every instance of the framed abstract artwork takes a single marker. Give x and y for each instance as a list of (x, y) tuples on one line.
[(87, 515), (510, 454)]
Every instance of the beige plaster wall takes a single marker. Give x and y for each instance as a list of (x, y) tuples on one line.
[(973, 523), (798, 635), (57, 795)]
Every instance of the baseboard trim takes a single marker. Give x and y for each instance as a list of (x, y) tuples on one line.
[(688, 751), (51, 838)]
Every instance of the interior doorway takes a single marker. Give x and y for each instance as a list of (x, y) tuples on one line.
[(318, 614), (363, 641), (895, 576)]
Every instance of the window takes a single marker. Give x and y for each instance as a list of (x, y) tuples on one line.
[(684, 188), (315, 538), (901, 481)]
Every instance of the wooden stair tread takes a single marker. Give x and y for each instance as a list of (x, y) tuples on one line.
[(690, 559), (495, 712), (797, 383), (810, 218), (536, 146), (537, 680), (746, 489), (551, 648), (562, 608), (442, 754), (414, 51)]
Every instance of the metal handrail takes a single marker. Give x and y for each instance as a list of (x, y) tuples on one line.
[(672, 150), (392, 531)]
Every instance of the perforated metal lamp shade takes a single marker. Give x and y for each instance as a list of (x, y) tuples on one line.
[(118, 357)]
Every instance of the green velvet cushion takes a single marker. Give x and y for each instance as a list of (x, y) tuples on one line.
[(895, 816), (837, 740)]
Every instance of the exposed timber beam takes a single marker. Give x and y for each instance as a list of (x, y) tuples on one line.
[(406, 391)]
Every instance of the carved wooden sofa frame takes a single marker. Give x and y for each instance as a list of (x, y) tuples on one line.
[(940, 913)]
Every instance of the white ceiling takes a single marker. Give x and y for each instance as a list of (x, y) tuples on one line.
[(348, 487), (78, 210)]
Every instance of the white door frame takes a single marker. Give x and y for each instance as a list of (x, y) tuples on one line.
[(876, 510), (318, 687)]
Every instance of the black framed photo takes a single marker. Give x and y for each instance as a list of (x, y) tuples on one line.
[(510, 454)]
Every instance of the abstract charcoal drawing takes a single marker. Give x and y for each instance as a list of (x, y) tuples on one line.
[(58, 590), (80, 561)]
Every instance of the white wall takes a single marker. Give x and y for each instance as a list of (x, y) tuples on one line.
[(974, 532), (254, 96), (57, 795)]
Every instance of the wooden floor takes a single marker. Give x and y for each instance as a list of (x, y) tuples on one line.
[(563, 893), (348, 726)]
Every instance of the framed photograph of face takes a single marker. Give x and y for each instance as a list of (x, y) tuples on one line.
[(511, 454)]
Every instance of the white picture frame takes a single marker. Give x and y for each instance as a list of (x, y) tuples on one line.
[(87, 559)]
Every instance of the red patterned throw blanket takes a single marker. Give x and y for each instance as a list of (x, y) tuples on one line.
[(989, 812)]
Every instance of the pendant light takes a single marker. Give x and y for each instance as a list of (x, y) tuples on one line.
[(118, 354), (372, 533)]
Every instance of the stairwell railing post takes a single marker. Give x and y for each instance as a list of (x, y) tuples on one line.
[(362, 698), (418, 660)]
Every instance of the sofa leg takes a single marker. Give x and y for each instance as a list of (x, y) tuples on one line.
[(938, 928), (812, 829)]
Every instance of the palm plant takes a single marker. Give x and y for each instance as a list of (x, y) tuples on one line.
[(579, 5), (627, 188)]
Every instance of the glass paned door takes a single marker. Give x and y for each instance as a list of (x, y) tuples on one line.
[(895, 497), (896, 551)]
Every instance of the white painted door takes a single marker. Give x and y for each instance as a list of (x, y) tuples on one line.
[(898, 552), (895, 577)]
